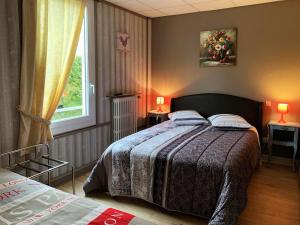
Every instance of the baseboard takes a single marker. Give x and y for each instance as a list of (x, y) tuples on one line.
[(280, 160), (68, 176)]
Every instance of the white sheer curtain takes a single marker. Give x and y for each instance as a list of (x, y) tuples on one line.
[(9, 73)]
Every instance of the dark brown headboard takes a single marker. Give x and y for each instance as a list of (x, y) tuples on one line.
[(210, 104)]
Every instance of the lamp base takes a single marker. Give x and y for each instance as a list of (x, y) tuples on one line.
[(159, 109), (281, 119)]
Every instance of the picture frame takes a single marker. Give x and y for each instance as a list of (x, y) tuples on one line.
[(123, 42), (218, 47)]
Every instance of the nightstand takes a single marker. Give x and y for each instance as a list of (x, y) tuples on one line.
[(155, 117), (283, 127)]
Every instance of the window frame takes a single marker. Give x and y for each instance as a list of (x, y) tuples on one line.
[(71, 124)]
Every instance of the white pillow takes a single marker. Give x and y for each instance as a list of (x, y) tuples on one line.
[(187, 118), (229, 121)]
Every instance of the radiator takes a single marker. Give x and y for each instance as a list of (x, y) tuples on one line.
[(124, 116)]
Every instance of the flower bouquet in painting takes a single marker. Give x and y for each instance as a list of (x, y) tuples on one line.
[(218, 47)]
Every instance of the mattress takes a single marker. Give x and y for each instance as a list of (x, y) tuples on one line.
[(24, 201), (198, 170)]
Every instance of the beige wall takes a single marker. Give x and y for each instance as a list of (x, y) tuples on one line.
[(268, 63)]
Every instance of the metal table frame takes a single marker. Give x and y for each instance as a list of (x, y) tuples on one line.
[(50, 168)]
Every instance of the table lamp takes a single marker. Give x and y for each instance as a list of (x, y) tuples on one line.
[(160, 101), (283, 109)]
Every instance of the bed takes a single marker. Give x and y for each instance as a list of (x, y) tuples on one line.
[(198, 170), (24, 201)]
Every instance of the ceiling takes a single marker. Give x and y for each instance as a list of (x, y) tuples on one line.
[(158, 8)]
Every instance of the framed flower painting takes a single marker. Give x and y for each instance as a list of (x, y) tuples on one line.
[(218, 47)]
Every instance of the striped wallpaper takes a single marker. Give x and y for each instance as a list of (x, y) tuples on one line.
[(9, 74), (116, 72)]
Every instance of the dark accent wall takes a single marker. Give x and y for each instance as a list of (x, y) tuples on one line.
[(268, 63)]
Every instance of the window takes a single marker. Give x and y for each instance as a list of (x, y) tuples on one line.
[(76, 108)]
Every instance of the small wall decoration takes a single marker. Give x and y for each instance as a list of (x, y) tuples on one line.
[(218, 47), (123, 42)]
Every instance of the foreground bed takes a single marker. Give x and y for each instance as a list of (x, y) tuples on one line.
[(198, 170), (24, 202)]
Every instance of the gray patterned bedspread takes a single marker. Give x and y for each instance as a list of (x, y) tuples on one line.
[(198, 170)]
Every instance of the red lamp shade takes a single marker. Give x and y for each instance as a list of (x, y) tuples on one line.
[(283, 109), (160, 101)]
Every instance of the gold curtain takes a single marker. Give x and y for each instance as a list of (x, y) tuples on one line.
[(51, 30)]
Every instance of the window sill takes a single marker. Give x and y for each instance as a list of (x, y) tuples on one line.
[(57, 136)]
